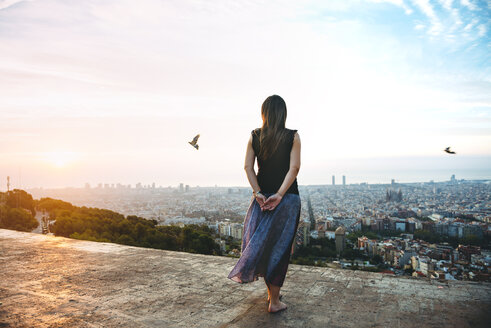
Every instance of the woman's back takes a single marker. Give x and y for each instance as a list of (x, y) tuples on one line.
[(272, 171)]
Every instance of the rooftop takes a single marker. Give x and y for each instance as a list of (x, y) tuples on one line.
[(60, 282)]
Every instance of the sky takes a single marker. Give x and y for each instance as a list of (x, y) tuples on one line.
[(111, 91)]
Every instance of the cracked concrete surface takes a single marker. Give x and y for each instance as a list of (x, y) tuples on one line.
[(48, 281)]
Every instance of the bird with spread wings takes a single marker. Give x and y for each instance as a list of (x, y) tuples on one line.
[(449, 151), (194, 142)]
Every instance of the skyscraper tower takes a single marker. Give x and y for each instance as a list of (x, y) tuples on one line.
[(8, 184), (344, 180), (340, 239), (333, 180)]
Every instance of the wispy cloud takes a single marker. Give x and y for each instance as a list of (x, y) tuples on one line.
[(399, 3), (482, 30), (470, 25), (447, 4), (468, 4), (427, 9), (455, 21), (454, 13)]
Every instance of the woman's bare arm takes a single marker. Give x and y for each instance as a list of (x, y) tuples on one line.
[(249, 166), (251, 174)]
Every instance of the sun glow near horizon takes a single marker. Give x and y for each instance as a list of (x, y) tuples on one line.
[(61, 159)]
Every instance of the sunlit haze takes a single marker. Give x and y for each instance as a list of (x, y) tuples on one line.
[(112, 91)]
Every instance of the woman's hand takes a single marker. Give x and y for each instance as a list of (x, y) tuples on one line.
[(272, 202), (260, 199)]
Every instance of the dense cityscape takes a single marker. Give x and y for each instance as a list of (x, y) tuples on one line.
[(427, 229)]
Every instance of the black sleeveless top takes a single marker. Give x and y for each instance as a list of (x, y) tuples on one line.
[(272, 171)]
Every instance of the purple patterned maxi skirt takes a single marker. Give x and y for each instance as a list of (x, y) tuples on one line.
[(267, 241)]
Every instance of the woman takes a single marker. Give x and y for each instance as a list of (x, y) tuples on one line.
[(274, 212)]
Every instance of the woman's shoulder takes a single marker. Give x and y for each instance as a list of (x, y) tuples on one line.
[(292, 131), (256, 132)]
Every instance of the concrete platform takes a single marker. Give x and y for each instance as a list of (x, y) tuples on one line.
[(58, 282)]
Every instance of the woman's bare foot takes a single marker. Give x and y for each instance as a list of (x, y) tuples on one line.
[(273, 308)]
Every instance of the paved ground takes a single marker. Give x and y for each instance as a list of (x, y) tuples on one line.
[(57, 282)]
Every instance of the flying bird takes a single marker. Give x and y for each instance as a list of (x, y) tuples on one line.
[(194, 143), (449, 151)]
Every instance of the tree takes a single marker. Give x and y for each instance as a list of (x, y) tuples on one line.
[(377, 259), (125, 240), (17, 219), (50, 204), (20, 199)]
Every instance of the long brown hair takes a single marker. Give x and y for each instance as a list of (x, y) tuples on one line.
[(273, 132)]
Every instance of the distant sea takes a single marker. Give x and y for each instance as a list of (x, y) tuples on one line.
[(413, 176), (401, 169)]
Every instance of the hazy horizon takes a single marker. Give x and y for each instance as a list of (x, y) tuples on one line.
[(112, 91), (404, 176)]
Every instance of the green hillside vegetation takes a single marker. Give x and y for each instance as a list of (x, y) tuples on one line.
[(107, 226), (17, 211)]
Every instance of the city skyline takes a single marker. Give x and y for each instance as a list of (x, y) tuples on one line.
[(113, 91), (9, 185)]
